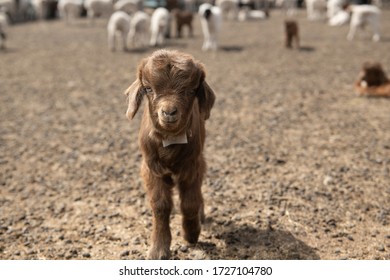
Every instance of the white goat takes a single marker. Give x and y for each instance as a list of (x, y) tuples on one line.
[(3, 27), (246, 13), (70, 9), (38, 8), (340, 18), (316, 9), (118, 24), (97, 8), (333, 7), (211, 21), (159, 26), (128, 6), (363, 15), (8, 6), (139, 29), (289, 6), (229, 8)]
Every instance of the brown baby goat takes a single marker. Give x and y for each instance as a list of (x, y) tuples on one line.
[(372, 81), (171, 139), (291, 33)]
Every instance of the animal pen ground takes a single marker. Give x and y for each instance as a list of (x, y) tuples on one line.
[(298, 165)]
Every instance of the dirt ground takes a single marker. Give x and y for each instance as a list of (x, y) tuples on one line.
[(298, 165)]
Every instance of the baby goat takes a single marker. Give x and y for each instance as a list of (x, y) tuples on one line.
[(118, 24), (70, 9), (183, 18), (171, 139), (139, 30), (159, 26), (361, 16), (211, 20), (3, 27), (292, 33), (372, 81)]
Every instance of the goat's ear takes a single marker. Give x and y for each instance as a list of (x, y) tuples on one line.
[(135, 96), (135, 92), (206, 99)]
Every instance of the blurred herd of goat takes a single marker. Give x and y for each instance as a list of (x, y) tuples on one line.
[(142, 23)]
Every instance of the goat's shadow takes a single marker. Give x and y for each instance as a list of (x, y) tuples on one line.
[(137, 50), (8, 50), (247, 242), (231, 48), (306, 49)]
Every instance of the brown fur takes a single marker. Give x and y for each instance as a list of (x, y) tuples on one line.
[(292, 33), (174, 86), (183, 18), (372, 81)]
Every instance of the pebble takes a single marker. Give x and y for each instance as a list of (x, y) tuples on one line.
[(125, 253), (198, 255), (328, 180), (381, 248), (136, 241), (86, 255), (183, 249)]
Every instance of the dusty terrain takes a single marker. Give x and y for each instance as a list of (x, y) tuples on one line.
[(298, 165)]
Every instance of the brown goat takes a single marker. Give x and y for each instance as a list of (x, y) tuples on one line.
[(372, 81), (292, 33), (183, 18), (171, 140)]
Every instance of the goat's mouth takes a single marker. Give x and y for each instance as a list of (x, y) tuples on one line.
[(168, 121), (169, 124)]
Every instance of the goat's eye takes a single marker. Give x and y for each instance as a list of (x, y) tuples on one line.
[(148, 89)]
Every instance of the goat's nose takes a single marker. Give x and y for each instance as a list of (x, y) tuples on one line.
[(170, 112)]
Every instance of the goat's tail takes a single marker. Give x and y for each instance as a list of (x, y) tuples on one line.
[(207, 14)]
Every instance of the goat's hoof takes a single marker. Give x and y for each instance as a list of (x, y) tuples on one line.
[(159, 254), (192, 237)]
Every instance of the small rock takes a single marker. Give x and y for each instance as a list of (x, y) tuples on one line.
[(86, 255), (125, 253), (198, 255), (183, 249), (136, 241), (328, 180), (381, 248)]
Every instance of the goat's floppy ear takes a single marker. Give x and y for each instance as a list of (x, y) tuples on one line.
[(135, 93), (135, 96), (206, 99)]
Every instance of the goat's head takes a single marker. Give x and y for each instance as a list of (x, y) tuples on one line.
[(171, 81), (372, 74)]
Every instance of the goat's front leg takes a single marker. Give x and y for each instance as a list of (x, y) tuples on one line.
[(160, 197), (351, 33), (192, 209)]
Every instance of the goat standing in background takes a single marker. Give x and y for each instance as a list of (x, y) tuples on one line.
[(118, 24), (292, 33), (211, 21)]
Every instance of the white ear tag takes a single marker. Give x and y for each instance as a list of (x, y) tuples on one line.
[(179, 139)]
